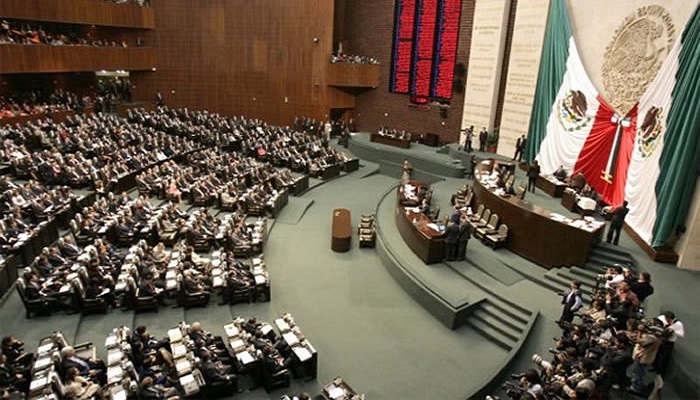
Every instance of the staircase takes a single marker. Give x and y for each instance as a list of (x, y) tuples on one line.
[(501, 323), (602, 256)]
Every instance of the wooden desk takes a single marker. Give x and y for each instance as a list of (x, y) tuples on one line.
[(427, 243), (351, 165), (550, 185), (568, 200), (533, 234), (341, 235), (390, 141)]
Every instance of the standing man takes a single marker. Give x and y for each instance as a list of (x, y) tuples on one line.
[(618, 219), (451, 241), (519, 148), (465, 233), (533, 172), (643, 355), (572, 302), (483, 135), (468, 141), (674, 331)]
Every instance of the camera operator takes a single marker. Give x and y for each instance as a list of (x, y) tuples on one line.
[(642, 287), (531, 383), (645, 350), (596, 312), (615, 362), (613, 276), (673, 330)]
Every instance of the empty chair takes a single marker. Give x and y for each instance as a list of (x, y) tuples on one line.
[(483, 221), (488, 229), (366, 231), (497, 239), (477, 215)]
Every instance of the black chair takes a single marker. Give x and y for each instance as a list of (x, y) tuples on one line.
[(138, 302), (80, 239), (279, 379), (87, 306), (40, 306), (191, 299)]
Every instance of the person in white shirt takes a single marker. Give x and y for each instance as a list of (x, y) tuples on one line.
[(614, 276), (674, 330)]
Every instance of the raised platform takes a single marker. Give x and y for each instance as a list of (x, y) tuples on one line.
[(421, 157)]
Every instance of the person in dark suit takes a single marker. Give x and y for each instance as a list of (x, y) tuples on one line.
[(465, 233), (483, 135), (572, 301), (216, 372), (149, 391), (93, 368), (519, 148), (618, 219), (533, 172), (451, 241)]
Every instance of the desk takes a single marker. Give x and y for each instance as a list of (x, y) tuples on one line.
[(338, 389), (533, 233), (550, 185), (568, 200), (341, 236), (390, 141), (427, 243), (351, 165)]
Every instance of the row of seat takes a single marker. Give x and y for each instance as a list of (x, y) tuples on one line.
[(485, 227), (366, 231)]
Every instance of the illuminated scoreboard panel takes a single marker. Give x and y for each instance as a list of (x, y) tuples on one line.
[(425, 47)]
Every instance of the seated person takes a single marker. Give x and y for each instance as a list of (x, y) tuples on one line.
[(77, 387), (561, 173), (148, 390), (577, 182), (87, 367)]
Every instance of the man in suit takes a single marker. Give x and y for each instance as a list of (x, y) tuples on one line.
[(519, 148), (483, 136), (88, 367), (572, 301), (533, 172), (465, 233), (451, 241), (216, 372), (618, 219)]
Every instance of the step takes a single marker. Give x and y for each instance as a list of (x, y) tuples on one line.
[(553, 275), (586, 286), (607, 259), (571, 274), (492, 306), (611, 249), (491, 334), (585, 271), (496, 324), (515, 324)]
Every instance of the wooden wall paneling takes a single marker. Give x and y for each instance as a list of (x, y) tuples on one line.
[(88, 12), (40, 58), (242, 57)]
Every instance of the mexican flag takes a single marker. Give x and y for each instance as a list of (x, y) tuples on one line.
[(666, 154), (621, 156)]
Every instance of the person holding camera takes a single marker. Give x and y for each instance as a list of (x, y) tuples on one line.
[(673, 330), (644, 352), (572, 302)]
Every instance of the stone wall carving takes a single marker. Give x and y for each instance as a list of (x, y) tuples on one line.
[(634, 55)]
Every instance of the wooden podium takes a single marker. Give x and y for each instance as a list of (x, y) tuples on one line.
[(341, 231)]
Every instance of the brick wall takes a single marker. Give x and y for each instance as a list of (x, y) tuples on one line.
[(368, 30)]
